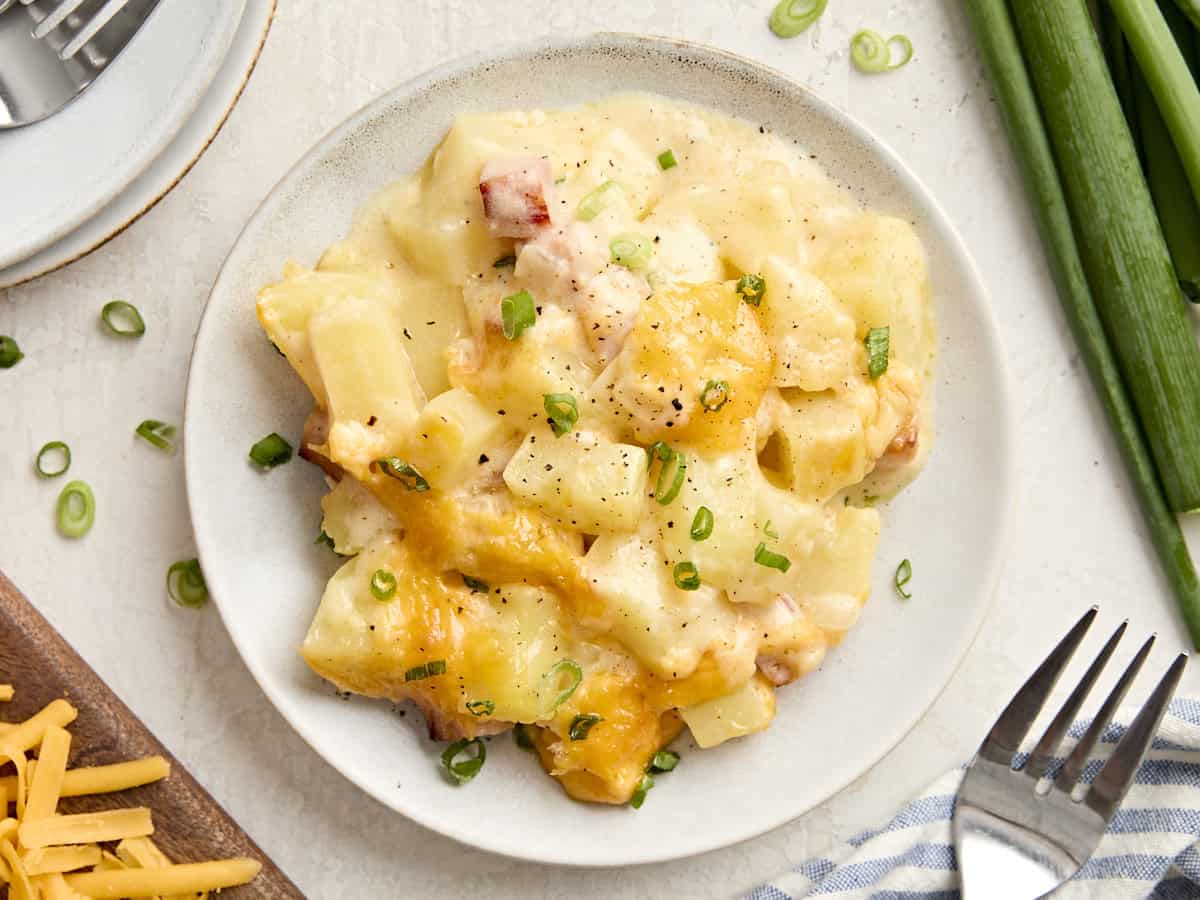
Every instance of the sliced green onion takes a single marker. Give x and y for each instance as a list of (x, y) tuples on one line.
[(687, 576), (702, 525), (903, 577), (790, 17), (185, 584), (324, 538), (523, 736), (574, 679), (715, 395), (594, 203), (771, 560), (666, 160), (476, 585), (871, 53), (517, 312), (481, 707), (563, 412), (664, 761), (658, 449), (383, 585), (394, 467), (505, 262), (123, 319), (639, 792), (10, 352), (769, 531), (76, 509), (662, 493), (52, 448), (463, 770), (582, 724), (876, 342), (158, 434), (426, 670), (752, 288), (631, 250), (271, 451)]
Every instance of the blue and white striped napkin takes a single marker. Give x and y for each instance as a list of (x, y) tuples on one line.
[(1151, 849)]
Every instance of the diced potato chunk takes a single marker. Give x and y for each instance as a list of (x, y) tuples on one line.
[(822, 445), (373, 392), (354, 518), (580, 479), (667, 629), (812, 337), (745, 711), (450, 434)]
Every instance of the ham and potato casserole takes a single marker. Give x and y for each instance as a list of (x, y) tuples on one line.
[(605, 396)]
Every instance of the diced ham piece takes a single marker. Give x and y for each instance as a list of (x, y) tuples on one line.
[(777, 669), (903, 447), (316, 433), (517, 192)]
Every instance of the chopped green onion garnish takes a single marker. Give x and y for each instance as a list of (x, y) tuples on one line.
[(582, 724), (504, 262), (383, 585), (517, 313), (463, 770), (715, 395), (702, 525), (666, 160), (662, 493), (426, 670), (639, 792), (563, 412), (574, 677), (664, 761), (185, 584), (324, 538), (876, 343), (523, 735), (593, 204), (687, 576), (476, 585), (481, 707), (394, 467), (770, 531), (631, 250), (752, 288), (10, 352), (64, 454), (76, 510), (765, 557), (158, 434), (872, 54), (271, 451), (790, 17), (123, 319), (657, 449), (903, 577)]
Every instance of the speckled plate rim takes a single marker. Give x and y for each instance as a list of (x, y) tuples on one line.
[(169, 168), (1005, 474)]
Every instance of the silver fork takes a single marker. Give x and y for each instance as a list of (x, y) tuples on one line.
[(44, 67), (1018, 836)]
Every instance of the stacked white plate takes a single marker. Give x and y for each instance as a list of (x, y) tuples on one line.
[(75, 180)]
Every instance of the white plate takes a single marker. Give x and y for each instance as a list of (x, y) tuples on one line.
[(60, 172), (255, 531), (166, 171)]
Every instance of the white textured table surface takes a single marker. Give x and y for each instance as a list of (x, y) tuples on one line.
[(1078, 539)]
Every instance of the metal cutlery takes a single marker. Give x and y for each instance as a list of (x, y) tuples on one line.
[(1021, 832), (53, 50)]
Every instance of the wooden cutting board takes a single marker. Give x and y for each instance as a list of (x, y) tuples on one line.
[(189, 825)]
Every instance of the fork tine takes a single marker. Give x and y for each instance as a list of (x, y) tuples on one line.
[(1043, 753), (56, 17), (1018, 717), (92, 27), (1111, 785), (1073, 767)]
